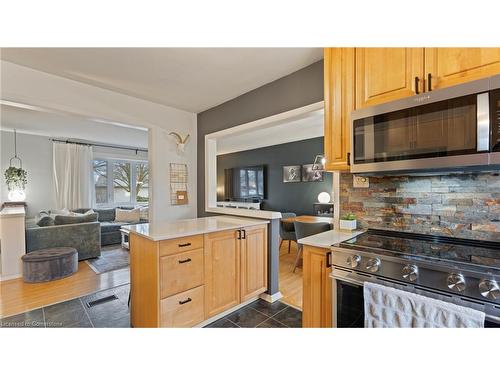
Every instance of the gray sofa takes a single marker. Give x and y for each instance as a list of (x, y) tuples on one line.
[(110, 229), (84, 237)]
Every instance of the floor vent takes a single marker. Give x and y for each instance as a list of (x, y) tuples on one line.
[(101, 300)]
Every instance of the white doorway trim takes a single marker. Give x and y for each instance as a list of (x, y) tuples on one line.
[(211, 159)]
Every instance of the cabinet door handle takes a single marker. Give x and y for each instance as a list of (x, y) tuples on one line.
[(185, 301), (185, 260), (244, 234), (239, 234), (348, 158), (429, 82), (185, 244), (328, 260), (417, 82)]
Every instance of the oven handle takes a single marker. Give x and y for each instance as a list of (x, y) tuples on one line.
[(360, 280)]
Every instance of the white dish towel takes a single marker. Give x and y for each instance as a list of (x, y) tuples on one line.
[(387, 307)]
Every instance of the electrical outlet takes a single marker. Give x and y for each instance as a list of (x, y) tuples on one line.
[(360, 181)]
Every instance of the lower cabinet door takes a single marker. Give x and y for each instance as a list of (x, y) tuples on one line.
[(222, 271), (183, 310), (317, 291), (253, 261)]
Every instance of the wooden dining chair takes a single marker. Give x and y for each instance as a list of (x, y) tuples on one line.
[(305, 230)]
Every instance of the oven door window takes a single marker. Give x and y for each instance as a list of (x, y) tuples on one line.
[(350, 305), (445, 128)]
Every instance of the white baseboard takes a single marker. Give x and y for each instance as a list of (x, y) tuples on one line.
[(10, 277), (271, 298)]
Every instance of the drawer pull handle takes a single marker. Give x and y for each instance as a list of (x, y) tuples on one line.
[(185, 301), (185, 244), (185, 260)]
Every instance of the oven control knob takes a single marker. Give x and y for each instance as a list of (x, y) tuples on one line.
[(353, 260), (456, 282), (373, 265), (410, 272), (489, 289)]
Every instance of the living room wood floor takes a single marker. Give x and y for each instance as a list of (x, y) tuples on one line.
[(290, 284), (18, 296)]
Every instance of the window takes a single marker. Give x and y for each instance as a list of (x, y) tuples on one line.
[(121, 182)]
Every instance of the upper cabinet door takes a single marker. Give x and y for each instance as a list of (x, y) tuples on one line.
[(339, 103), (451, 66), (253, 262), (385, 74)]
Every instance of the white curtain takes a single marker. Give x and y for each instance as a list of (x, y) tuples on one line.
[(72, 175)]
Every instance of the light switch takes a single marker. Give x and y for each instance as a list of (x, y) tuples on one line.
[(360, 181)]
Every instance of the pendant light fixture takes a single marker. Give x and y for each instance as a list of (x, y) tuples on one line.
[(16, 177)]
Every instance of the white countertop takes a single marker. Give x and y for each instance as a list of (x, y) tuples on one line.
[(327, 239), (13, 211), (259, 214), (190, 227)]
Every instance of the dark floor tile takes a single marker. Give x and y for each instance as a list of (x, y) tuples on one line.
[(247, 317), (66, 314), (271, 323), (30, 319), (222, 323), (267, 308), (112, 322), (290, 317)]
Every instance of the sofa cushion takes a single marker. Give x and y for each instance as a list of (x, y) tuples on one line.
[(105, 214), (62, 220), (112, 226), (43, 219)]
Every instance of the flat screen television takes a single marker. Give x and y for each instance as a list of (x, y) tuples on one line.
[(245, 183)]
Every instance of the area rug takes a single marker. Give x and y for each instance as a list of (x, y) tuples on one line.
[(112, 258)]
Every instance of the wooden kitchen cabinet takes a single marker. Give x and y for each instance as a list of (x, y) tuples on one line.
[(452, 66), (317, 289), (253, 255), (385, 74), (339, 102), (222, 271)]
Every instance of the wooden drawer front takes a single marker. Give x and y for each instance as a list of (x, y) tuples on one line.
[(185, 309), (177, 245), (181, 272)]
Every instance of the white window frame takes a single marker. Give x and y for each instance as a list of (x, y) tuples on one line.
[(110, 182)]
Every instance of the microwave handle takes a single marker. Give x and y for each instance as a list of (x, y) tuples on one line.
[(483, 122)]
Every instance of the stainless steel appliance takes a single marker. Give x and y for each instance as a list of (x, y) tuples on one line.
[(451, 128), (461, 271)]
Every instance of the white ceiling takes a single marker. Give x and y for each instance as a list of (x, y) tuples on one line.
[(192, 79), (306, 126), (57, 125)]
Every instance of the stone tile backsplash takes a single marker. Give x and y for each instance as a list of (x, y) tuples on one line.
[(459, 205)]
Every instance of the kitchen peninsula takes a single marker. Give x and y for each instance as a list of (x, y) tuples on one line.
[(191, 272)]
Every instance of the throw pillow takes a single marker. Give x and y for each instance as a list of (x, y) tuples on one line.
[(63, 220), (91, 211), (43, 219), (144, 213), (128, 216)]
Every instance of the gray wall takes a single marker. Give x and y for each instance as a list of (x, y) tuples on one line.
[(36, 153), (293, 91), (295, 197)]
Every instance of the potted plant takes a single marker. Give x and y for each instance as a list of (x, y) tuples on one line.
[(16, 179), (348, 222)]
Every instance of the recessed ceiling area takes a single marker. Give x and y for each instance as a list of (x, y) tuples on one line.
[(192, 79), (56, 125), (305, 126)]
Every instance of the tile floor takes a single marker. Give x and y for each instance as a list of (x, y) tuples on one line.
[(115, 314)]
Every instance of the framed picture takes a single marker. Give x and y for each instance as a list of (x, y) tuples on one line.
[(291, 173), (311, 175)]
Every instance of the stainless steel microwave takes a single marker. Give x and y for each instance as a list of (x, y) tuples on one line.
[(453, 128)]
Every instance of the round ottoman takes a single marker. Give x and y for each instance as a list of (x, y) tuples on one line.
[(49, 264)]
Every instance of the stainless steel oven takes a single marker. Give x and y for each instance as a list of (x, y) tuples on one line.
[(348, 301), (450, 128)]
